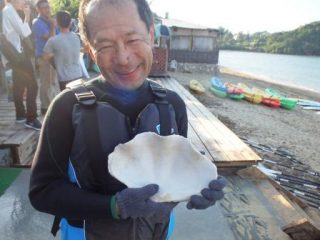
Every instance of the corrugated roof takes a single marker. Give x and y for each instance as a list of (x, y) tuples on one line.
[(182, 24)]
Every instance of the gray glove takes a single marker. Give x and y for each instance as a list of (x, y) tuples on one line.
[(135, 202), (209, 195)]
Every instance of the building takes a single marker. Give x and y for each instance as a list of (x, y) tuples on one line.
[(193, 47)]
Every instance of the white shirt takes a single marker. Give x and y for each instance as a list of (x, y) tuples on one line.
[(13, 26)]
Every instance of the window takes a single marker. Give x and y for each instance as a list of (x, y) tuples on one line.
[(203, 44), (180, 43)]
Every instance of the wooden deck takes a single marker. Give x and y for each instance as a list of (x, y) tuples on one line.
[(209, 134), (17, 143)]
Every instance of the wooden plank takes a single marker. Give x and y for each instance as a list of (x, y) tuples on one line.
[(255, 209), (249, 213), (235, 149), (27, 149), (208, 141), (20, 137), (197, 142), (302, 229), (212, 143), (214, 140), (229, 136), (15, 137), (227, 133)]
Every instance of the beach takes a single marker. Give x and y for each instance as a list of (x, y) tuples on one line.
[(296, 131)]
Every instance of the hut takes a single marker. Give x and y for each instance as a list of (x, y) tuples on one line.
[(191, 46)]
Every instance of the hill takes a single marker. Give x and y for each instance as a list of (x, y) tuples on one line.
[(304, 40)]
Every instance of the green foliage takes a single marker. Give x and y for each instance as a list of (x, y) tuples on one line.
[(304, 40), (71, 6)]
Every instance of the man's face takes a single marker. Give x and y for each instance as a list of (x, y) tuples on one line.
[(120, 44), (19, 4), (44, 10)]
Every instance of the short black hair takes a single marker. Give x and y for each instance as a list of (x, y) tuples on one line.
[(63, 19), (143, 9), (39, 2)]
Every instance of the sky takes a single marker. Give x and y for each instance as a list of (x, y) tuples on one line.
[(247, 16)]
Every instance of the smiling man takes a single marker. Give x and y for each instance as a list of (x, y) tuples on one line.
[(84, 124)]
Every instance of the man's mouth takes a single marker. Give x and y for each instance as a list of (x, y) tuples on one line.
[(128, 74)]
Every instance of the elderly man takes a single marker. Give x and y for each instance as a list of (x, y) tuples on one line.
[(70, 177)]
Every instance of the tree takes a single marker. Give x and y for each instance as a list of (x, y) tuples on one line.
[(71, 6), (304, 40)]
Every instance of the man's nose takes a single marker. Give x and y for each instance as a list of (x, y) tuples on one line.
[(122, 55)]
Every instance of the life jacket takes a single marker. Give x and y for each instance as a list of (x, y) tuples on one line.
[(98, 129)]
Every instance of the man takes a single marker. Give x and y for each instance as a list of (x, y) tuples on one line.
[(65, 49), (15, 30), (43, 27), (70, 177)]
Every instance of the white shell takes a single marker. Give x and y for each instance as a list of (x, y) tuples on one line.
[(171, 162)]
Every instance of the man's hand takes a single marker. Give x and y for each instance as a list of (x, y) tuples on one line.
[(209, 195), (27, 12), (135, 202)]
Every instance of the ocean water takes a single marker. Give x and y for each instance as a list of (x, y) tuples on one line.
[(298, 71)]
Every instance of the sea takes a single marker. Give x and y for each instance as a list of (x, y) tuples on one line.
[(298, 71)]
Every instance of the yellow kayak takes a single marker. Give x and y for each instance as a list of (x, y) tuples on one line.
[(196, 86), (249, 95), (268, 100)]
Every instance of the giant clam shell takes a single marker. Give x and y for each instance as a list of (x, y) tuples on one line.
[(171, 162)]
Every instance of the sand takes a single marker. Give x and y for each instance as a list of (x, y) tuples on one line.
[(297, 130)]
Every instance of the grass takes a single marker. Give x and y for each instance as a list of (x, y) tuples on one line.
[(7, 176)]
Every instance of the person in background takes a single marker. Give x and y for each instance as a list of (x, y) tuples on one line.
[(43, 28), (3, 84), (85, 123), (65, 49), (15, 30)]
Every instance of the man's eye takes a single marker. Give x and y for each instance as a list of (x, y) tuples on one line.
[(136, 40), (104, 48)]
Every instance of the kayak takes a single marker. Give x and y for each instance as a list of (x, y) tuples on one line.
[(236, 96), (233, 89), (270, 101), (305, 102), (225, 90), (285, 102), (218, 85), (312, 108), (217, 92), (196, 86), (249, 95), (288, 103)]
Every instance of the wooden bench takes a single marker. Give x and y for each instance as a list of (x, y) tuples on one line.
[(17, 143), (209, 134)]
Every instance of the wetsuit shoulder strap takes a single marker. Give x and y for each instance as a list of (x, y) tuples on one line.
[(87, 94), (160, 96), (87, 99), (84, 96)]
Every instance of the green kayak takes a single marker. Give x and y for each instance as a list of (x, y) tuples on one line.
[(217, 92), (236, 96), (286, 103)]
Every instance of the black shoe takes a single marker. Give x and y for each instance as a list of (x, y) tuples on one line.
[(34, 124), (20, 119)]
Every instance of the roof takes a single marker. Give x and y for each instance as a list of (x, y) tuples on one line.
[(183, 24)]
